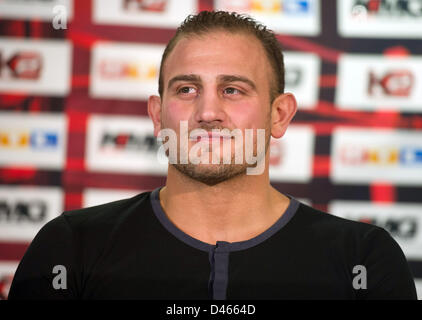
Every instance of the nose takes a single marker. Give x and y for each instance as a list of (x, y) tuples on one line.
[(209, 109)]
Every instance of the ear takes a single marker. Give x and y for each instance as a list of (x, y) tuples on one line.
[(283, 109), (154, 112)]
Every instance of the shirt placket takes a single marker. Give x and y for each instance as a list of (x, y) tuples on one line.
[(219, 276)]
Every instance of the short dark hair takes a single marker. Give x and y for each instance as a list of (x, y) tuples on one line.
[(233, 22)]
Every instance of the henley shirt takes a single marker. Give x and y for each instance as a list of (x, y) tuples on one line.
[(129, 249)]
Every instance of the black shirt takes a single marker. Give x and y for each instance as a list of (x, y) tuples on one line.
[(129, 249)]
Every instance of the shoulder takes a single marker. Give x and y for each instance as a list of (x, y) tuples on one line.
[(106, 214), (359, 244), (325, 223), (89, 231), (357, 240), (94, 225)]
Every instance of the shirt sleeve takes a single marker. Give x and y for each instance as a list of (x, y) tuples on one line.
[(387, 272), (47, 269)]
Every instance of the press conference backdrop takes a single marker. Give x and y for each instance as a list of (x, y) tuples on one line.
[(74, 130)]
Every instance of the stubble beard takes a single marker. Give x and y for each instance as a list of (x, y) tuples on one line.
[(213, 174)]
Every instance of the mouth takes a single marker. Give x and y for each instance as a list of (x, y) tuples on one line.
[(211, 136)]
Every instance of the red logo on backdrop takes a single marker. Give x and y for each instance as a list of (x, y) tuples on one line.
[(145, 5), (398, 83), (22, 65), (275, 152)]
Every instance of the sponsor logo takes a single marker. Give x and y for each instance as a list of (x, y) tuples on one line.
[(145, 5), (358, 155), (32, 140), (364, 156), (268, 6), (124, 141), (125, 71), (302, 76), (297, 6), (149, 13), (401, 220), (38, 139), (387, 8), (373, 82), (39, 9), (287, 16), (289, 163), (123, 144), (24, 210), (22, 65), (398, 83), (380, 18), (35, 66)]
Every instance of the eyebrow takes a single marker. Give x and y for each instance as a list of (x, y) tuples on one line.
[(236, 78), (224, 78), (184, 77)]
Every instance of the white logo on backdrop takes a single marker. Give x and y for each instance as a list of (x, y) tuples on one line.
[(39, 67), (155, 13), (125, 71), (24, 210), (376, 155), (373, 82), (380, 19), (33, 140)]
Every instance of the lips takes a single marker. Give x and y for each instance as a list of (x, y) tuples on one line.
[(211, 136)]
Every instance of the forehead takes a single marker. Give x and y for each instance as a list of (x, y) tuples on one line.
[(216, 53)]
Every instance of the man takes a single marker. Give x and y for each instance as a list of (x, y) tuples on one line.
[(216, 230)]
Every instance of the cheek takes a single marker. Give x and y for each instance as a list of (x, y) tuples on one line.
[(174, 113), (248, 115)]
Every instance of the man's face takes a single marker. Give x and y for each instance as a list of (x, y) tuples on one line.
[(217, 81)]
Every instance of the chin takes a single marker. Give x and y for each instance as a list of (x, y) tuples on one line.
[(211, 174)]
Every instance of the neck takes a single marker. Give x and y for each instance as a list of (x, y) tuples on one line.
[(234, 210)]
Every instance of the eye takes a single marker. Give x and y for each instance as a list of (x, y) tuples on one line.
[(231, 90), (186, 90)]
